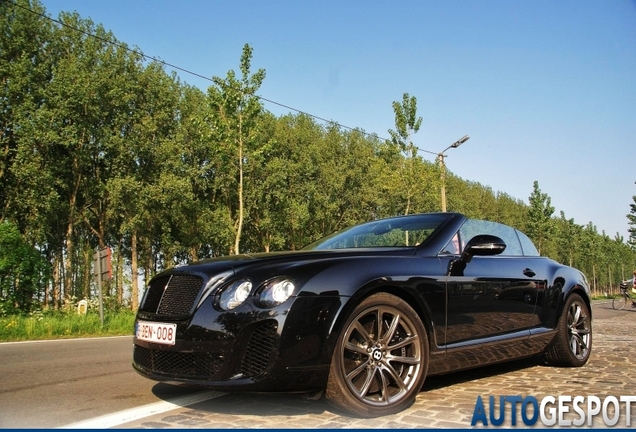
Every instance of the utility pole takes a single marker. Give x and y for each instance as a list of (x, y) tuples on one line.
[(442, 166)]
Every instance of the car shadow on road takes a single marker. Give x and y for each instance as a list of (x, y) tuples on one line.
[(452, 378), (300, 404), (169, 392), (263, 404)]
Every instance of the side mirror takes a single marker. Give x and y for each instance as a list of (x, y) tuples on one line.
[(480, 245), (483, 245)]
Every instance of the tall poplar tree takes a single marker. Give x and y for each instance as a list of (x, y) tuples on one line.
[(539, 226), (235, 110), (632, 224), (407, 123), (24, 73)]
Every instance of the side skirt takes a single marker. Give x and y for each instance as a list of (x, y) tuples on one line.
[(467, 355)]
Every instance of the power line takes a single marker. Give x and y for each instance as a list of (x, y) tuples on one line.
[(189, 72)]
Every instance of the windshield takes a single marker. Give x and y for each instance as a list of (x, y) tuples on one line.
[(404, 231)]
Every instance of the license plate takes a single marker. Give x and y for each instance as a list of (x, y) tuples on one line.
[(156, 332)]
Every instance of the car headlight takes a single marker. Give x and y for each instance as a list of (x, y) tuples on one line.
[(275, 292), (213, 283), (234, 294)]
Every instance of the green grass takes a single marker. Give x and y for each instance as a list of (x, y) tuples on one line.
[(65, 325)]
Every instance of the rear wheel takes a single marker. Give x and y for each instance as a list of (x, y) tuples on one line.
[(380, 360), (619, 303), (573, 343)]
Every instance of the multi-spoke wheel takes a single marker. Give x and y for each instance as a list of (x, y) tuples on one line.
[(619, 303), (380, 360), (573, 343)]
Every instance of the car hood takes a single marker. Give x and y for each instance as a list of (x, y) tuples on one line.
[(237, 263)]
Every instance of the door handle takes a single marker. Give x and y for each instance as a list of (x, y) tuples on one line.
[(529, 272)]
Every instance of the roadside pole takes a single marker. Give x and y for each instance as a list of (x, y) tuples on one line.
[(103, 272)]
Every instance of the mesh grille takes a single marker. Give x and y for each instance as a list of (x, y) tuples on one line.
[(180, 294), (155, 292), (172, 295), (259, 349), (201, 365)]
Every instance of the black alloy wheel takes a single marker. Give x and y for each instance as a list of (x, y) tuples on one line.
[(381, 358), (573, 343)]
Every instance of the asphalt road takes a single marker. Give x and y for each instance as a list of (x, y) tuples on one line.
[(58, 383), (50, 384)]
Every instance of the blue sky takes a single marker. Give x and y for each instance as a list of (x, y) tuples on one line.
[(545, 89)]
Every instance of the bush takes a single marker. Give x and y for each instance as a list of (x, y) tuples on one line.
[(22, 271)]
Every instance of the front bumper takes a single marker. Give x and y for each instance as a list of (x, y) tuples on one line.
[(280, 349)]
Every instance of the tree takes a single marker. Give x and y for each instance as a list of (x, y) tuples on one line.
[(24, 71), (510, 211), (632, 223), (139, 190), (539, 225), (407, 123), (286, 190), (23, 271), (76, 132), (235, 109), (591, 247), (568, 239)]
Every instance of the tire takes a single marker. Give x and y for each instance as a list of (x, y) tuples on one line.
[(376, 372), (572, 345), (619, 303)]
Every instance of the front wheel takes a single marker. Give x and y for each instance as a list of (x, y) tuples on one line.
[(619, 303), (380, 360), (572, 344)]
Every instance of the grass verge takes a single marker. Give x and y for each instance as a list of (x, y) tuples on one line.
[(65, 325)]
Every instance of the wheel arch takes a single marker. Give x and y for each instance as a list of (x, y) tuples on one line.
[(416, 302), (570, 286), (577, 289)]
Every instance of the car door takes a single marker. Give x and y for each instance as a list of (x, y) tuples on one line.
[(495, 297)]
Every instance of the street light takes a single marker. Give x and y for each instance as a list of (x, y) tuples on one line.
[(442, 166)]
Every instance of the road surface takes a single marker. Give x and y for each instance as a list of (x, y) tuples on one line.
[(49, 384)]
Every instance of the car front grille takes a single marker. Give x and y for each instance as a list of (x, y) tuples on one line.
[(172, 295), (192, 365), (260, 346)]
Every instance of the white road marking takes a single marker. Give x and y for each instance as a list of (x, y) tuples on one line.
[(119, 418)]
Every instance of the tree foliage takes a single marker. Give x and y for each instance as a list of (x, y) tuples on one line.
[(631, 217), (99, 148), (234, 109), (407, 168), (540, 226), (23, 270)]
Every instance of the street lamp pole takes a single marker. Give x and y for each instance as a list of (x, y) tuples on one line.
[(442, 166)]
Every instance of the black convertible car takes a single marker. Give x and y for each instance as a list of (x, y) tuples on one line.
[(364, 314)]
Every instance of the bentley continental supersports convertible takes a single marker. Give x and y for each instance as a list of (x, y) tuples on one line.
[(365, 314)]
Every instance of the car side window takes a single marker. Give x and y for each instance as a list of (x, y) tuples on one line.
[(453, 247), (473, 227), (529, 249)]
